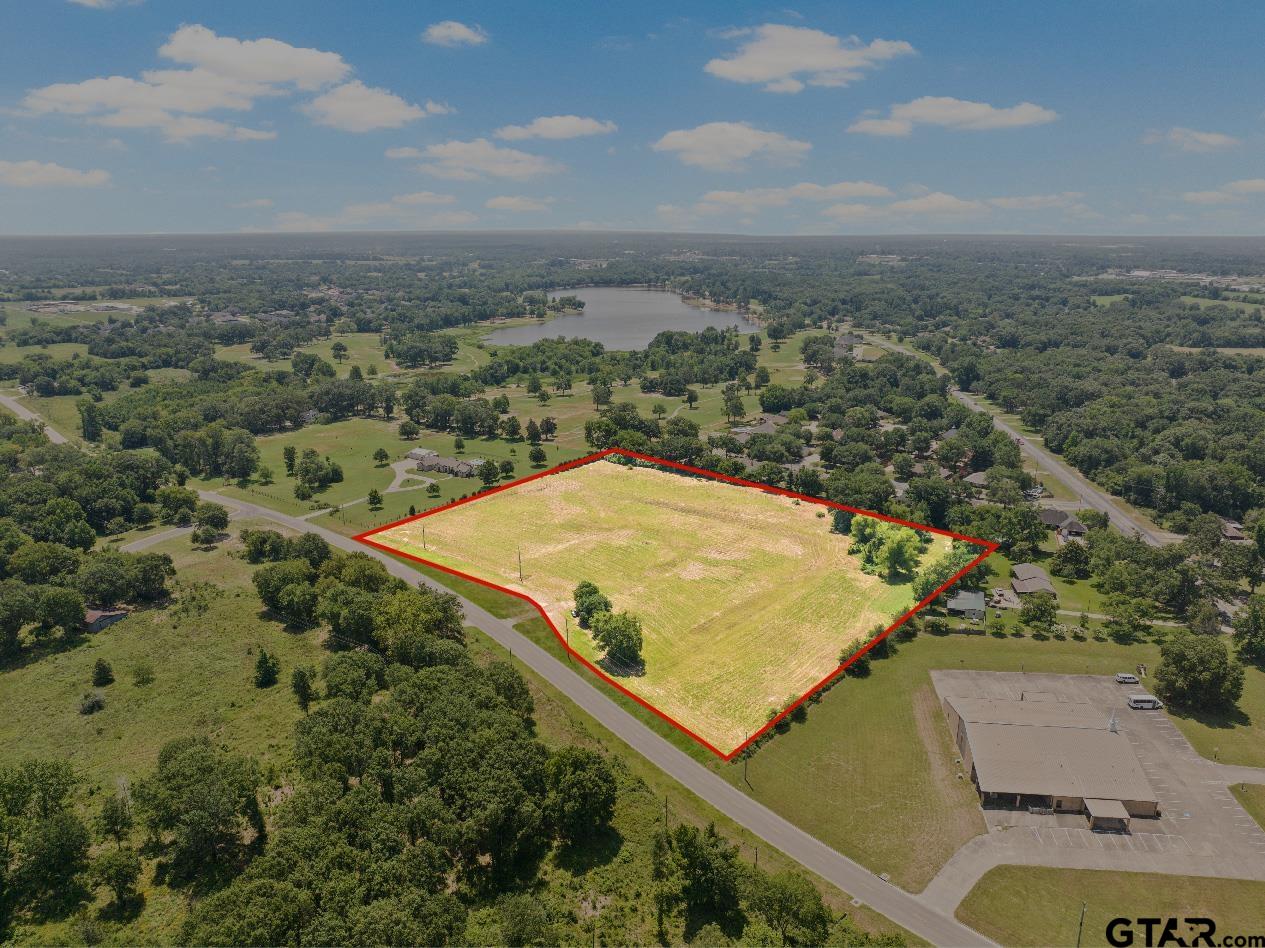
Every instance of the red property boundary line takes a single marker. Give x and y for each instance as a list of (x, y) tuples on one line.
[(989, 548)]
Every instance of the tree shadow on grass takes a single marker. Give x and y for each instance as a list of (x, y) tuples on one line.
[(121, 912), (583, 857), (1221, 719), (622, 669)]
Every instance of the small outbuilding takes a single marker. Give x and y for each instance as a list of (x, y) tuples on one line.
[(421, 454), (1028, 578), (94, 620), (968, 604)]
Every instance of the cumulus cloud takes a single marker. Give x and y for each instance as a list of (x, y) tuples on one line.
[(778, 56), (556, 126), (726, 146), (453, 33), (1230, 193), (948, 112), (480, 158), (755, 199), (1188, 139), (46, 174), (401, 212), (517, 204), (222, 73), (356, 107), (933, 204), (254, 203), (262, 60), (405, 152), (1037, 202)]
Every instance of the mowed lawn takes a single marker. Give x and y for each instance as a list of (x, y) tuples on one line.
[(746, 598), (1034, 905), (1251, 797)]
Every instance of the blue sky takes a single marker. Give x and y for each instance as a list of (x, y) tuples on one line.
[(1121, 117)]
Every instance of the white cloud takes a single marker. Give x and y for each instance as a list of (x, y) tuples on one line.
[(517, 204), (452, 33), (556, 126), (402, 212), (1230, 193), (405, 152), (261, 60), (46, 174), (1188, 139), (726, 146), (947, 112), (934, 204), (103, 4), (229, 74), (754, 199), (674, 216), (356, 107), (776, 55), (1037, 202), (256, 202), (469, 161)]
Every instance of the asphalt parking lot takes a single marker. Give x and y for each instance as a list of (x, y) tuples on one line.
[(1198, 815)]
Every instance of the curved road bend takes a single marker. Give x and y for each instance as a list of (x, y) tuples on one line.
[(1085, 490), (15, 406), (901, 907)]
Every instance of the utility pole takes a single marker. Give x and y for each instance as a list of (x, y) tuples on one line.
[(1080, 927), (520, 564), (424, 537)]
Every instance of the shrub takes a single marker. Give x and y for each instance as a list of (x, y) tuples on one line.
[(91, 703), (102, 673)]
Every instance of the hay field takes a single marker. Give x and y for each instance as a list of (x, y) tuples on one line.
[(746, 599)]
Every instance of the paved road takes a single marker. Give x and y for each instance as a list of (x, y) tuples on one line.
[(901, 907), (26, 414), (905, 909), (1087, 493)]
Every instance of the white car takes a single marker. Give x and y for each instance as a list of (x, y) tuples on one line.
[(1125, 678)]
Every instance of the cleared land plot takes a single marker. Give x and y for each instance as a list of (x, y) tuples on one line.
[(1002, 904), (746, 598)]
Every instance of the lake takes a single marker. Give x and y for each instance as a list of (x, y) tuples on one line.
[(621, 317)]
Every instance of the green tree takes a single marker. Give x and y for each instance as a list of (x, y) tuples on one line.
[(1071, 561), (117, 869), (581, 793), (489, 473), (199, 801), (303, 684), (267, 668), (214, 516), (374, 499), (381, 456), (1198, 672), (537, 456), (102, 673), (115, 819), (1249, 631), (1040, 611), (619, 635), (793, 907), (289, 455), (339, 351)]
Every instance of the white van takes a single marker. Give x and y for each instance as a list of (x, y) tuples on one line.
[(1145, 702), (1126, 678)]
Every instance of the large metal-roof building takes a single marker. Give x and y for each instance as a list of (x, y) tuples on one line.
[(1062, 756)]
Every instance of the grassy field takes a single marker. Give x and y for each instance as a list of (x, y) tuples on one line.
[(695, 559), (364, 349), (11, 353), (1241, 306), (872, 770), (647, 796), (1251, 797), (1002, 904), (203, 667), (1106, 299)]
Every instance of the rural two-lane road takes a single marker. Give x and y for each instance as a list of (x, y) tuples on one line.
[(900, 906), (15, 406), (1088, 493), (903, 908)]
